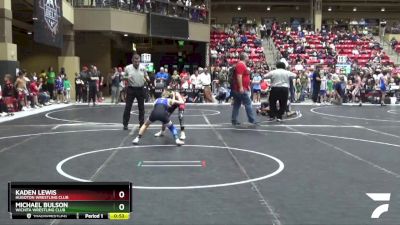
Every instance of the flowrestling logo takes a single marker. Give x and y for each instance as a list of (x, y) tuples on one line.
[(379, 197), (52, 13)]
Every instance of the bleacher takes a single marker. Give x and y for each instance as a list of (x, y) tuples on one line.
[(256, 51), (318, 44)]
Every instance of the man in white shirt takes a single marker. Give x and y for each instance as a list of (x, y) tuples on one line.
[(194, 80), (136, 77), (279, 89), (205, 82)]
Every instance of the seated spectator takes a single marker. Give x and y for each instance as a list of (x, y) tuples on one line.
[(222, 93), (9, 95), (43, 95), (34, 90), (3, 107)]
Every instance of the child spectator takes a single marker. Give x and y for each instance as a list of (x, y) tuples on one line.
[(22, 91), (322, 91), (59, 83), (34, 90), (298, 88), (256, 87), (329, 88), (67, 90), (222, 92)]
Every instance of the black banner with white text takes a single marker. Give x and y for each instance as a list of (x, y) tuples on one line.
[(48, 26)]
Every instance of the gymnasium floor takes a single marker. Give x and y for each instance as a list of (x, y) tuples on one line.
[(315, 168)]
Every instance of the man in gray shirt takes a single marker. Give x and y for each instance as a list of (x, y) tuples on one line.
[(136, 76), (279, 89)]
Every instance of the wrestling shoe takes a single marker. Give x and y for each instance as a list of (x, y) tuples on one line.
[(136, 141), (183, 135), (235, 123), (179, 142), (159, 134)]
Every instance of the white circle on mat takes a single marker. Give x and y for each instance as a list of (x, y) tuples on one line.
[(313, 110), (276, 172)]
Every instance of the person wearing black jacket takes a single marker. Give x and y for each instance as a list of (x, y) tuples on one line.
[(316, 78), (93, 77), (84, 78)]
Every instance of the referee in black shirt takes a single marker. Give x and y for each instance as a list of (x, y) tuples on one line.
[(136, 76)]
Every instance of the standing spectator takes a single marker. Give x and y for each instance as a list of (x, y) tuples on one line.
[(60, 88), (241, 91), (92, 80), (292, 89), (99, 84), (51, 77), (78, 88), (322, 91), (84, 76), (316, 82), (256, 87), (382, 81), (136, 77), (357, 88), (205, 80), (279, 90), (115, 83), (298, 89), (67, 90), (329, 88)]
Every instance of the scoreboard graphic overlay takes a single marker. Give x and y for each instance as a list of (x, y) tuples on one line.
[(70, 200)]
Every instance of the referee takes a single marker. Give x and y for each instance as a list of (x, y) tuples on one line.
[(280, 79), (136, 76)]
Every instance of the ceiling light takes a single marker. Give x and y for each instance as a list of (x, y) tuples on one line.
[(383, 10), (330, 9), (239, 8), (354, 9), (29, 33), (268, 8), (35, 18), (125, 35)]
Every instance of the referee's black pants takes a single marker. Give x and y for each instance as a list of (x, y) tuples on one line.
[(131, 94), (278, 94)]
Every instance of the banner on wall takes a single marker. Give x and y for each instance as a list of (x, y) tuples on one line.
[(48, 26)]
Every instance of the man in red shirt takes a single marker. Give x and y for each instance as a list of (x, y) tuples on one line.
[(241, 91)]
